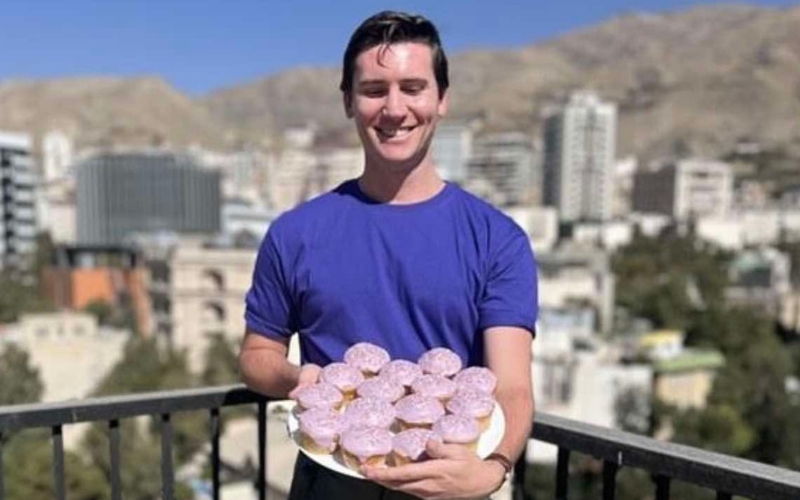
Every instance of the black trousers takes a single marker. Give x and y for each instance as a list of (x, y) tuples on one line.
[(315, 482)]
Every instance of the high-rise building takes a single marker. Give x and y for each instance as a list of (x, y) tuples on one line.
[(57, 155), (579, 155), (122, 194), (684, 189), (502, 170), (452, 148), (17, 201)]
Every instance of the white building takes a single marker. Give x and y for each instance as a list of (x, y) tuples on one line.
[(57, 156), (503, 170), (452, 148), (579, 155), (17, 201), (70, 350), (684, 189), (539, 223)]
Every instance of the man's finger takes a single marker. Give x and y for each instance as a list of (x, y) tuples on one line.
[(402, 473), (435, 449)]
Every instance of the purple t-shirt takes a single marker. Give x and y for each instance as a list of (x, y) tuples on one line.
[(343, 268)]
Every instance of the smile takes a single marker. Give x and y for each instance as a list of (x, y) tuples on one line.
[(394, 133)]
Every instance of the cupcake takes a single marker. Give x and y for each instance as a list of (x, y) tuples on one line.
[(319, 395), (434, 386), (455, 429), (418, 411), (344, 377), (381, 388), (365, 446), (319, 430), (440, 361), (477, 378), (474, 404), (403, 371), (367, 357), (369, 412), (409, 446)]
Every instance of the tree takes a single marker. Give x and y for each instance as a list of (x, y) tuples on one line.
[(221, 362), (20, 381), (17, 298)]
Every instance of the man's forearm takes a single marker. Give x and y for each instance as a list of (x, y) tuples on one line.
[(518, 408), (268, 372)]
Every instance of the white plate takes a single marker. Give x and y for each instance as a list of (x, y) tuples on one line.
[(487, 443)]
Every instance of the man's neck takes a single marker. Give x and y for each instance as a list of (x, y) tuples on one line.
[(401, 188)]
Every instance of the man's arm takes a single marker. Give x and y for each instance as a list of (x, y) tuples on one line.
[(265, 369), (508, 354)]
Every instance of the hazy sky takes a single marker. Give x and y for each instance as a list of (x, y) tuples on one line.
[(203, 45)]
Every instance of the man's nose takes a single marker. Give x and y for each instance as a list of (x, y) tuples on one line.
[(394, 106)]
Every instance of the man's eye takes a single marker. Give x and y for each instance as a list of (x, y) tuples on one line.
[(414, 89), (373, 92)]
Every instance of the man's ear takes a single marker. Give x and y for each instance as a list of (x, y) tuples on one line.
[(444, 103), (347, 101)]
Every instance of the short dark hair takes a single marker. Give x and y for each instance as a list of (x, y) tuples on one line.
[(390, 27)]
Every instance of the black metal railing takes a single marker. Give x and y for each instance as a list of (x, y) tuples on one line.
[(666, 462)]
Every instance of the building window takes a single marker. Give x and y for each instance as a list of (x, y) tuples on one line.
[(213, 280)]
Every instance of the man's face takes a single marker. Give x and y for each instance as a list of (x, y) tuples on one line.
[(395, 104)]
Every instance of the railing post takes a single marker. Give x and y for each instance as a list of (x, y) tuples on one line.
[(518, 481), (662, 487), (215, 464), (58, 462), (167, 473), (609, 480), (2, 484), (116, 465), (261, 481), (562, 473)]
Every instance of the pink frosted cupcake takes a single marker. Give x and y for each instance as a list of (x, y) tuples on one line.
[(477, 378), (440, 361), (419, 411), (409, 446), (381, 388), (434, 386), (344, 377), (369, 412), (456, 429), (319, 395), (474, 404), (368, 446), (367, 357), (403, 371), (319, 430)]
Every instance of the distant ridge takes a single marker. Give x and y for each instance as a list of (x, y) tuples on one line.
[(703, 78)]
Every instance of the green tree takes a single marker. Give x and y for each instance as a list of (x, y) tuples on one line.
[(17, 297), (20, 381), (221, 362)]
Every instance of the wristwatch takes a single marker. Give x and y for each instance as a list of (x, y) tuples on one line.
[(505, 462)]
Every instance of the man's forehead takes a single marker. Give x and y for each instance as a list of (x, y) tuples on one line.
[(405, 56)]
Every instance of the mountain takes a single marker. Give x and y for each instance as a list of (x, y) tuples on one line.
[(701, 79)]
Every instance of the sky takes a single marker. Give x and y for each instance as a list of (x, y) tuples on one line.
[(200, 46)]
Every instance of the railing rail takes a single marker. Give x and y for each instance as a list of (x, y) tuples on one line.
[(666, 462)]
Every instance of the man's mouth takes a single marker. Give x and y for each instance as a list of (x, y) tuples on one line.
[(394, 132)]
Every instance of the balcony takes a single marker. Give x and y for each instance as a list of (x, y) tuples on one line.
[(665, 462)]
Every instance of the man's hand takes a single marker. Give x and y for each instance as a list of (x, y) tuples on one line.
[(453, 472), (308, 375)]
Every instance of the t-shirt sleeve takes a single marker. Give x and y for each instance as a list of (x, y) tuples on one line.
[(269, 308), (511, 295)]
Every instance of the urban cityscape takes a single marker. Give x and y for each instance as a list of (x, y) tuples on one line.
[(669, 288)]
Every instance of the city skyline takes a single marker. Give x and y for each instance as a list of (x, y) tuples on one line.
[(202, 47)]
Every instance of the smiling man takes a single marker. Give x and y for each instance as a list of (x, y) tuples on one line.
[(399, 258)]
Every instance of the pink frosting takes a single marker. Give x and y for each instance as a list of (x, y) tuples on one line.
[(402, 370), (471, 403), (477, 377), (366, 357), (369, 412), (457, 429), (418, 409), (434, 386), (365, 442), (342, 376), (382, 388), (412, 442), (319, 395), (440, 361), (322, 425)]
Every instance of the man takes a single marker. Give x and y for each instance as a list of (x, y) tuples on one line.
[(400, 258)]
